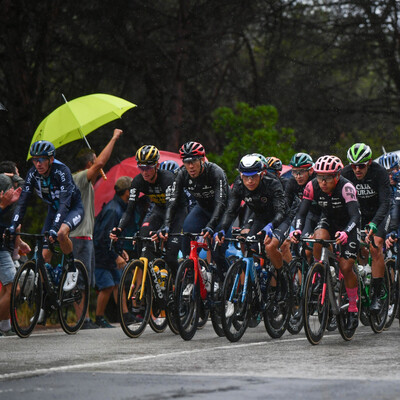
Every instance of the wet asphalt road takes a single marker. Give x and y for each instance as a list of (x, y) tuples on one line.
[(105, 364)]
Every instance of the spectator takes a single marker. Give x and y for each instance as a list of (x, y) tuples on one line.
[(10, 169), (109, 262), (89, 167)]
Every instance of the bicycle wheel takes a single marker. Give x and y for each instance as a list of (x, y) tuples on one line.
[(235, 310), (170, 305), (394, 291), (216, 303), (74, 303), (296, 321), (378, 320), (26, 299), (129, 292), (316, 304), (187, 300), (204, 312), (279, 305), (343, 303)]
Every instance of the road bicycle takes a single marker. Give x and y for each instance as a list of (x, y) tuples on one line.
[(33, 289), (252, 292), (197, 290), (147, 286), (321, 297)]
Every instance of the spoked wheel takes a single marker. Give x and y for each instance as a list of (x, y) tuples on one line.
[(378, 320), (235, 312), (394, 291), (316, 304), (26, 299), (295, 324), (216, 301), (279, 305), (204, 313), (129, 298), (74, 303), (170, 305), (343, 303), (187, 300)]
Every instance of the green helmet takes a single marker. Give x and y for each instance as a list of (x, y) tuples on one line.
[(301, 160), (359, 153)]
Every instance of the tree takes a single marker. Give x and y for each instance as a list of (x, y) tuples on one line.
[(247, 130)]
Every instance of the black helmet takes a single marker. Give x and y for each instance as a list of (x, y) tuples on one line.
[(274, 164), (148, 155), (42, 148), (192, 150), (250, 164)]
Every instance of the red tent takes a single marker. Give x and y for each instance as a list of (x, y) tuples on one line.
[(104, 190)]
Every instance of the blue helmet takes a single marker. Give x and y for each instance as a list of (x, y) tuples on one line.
[(42, 148), (389, 160), (169, 165)]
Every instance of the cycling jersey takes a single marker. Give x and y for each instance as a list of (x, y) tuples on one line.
[(158, 193), (340, 206), (210, 189), (267, 202), (373, 192), (58, 190)]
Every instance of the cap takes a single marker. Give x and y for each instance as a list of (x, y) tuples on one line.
[(123, 183)]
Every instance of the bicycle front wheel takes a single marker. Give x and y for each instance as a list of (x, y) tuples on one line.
[(170, 305), (129, 292), (316, 304), (74, 303), (187, 300), (235, 307), (378, 320), (393, 274), (26, 299), (295, 324)]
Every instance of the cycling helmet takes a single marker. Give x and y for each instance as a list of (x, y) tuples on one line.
[(301, 160), (359, 153), (274, 164), (148, 155), (262, 158), (42, 148), (169, 165), (389, 160), (191, 150), (250, 164), (328, 165)]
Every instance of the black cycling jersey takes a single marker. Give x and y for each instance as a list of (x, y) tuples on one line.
[(341, 206), (394, 208), (210, 189), (373, 192), (158, 193), (267, 202), (58, 190)]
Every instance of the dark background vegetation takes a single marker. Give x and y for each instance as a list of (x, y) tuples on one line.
[(331, 69)]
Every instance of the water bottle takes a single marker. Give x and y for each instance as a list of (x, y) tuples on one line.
[(361, 271), (57, 273), (163, 278), (50, 271), (157, 271), (206, 282), (368, 271)]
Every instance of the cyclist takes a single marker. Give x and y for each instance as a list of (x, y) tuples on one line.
[(156, 184), (208, 184), (274, 167), (336, 198), (373, 192), (265, 198), (52, 181)]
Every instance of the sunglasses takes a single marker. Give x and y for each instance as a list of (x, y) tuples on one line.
[(300, 172), (359, 166), (39, 160), (326, 178), (250, 177), (146, 167)]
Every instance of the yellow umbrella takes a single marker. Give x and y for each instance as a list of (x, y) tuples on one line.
[(77, 118)]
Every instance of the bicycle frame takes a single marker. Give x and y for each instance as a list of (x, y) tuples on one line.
[(194, 256)]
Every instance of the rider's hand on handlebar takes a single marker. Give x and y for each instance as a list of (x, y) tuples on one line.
[(295, 236), (219, 237), (207, 232), (391, 239), (163, 232), (115, 233), (52, 235), (370, 230), (341, 237)]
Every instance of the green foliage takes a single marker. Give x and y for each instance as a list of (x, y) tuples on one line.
[(249, 130)]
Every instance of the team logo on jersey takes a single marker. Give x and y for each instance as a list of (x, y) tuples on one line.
[(263, 200)]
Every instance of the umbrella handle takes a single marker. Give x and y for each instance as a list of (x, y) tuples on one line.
[(103, 174)]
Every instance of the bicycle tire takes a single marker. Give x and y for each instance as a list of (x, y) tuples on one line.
[(216, 307), (73, 303), (170, 305), (394, 291), (134, 329), (234, 326), (26, 299), (278, 312), (187, 305), (378, 321), (343, 303), (204, 312), (315, 313), (296, 320)]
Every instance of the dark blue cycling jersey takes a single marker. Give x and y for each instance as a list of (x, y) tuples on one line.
[(58, 190)]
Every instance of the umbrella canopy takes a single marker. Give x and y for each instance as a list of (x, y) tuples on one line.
[(79, 117), (104, 190)]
